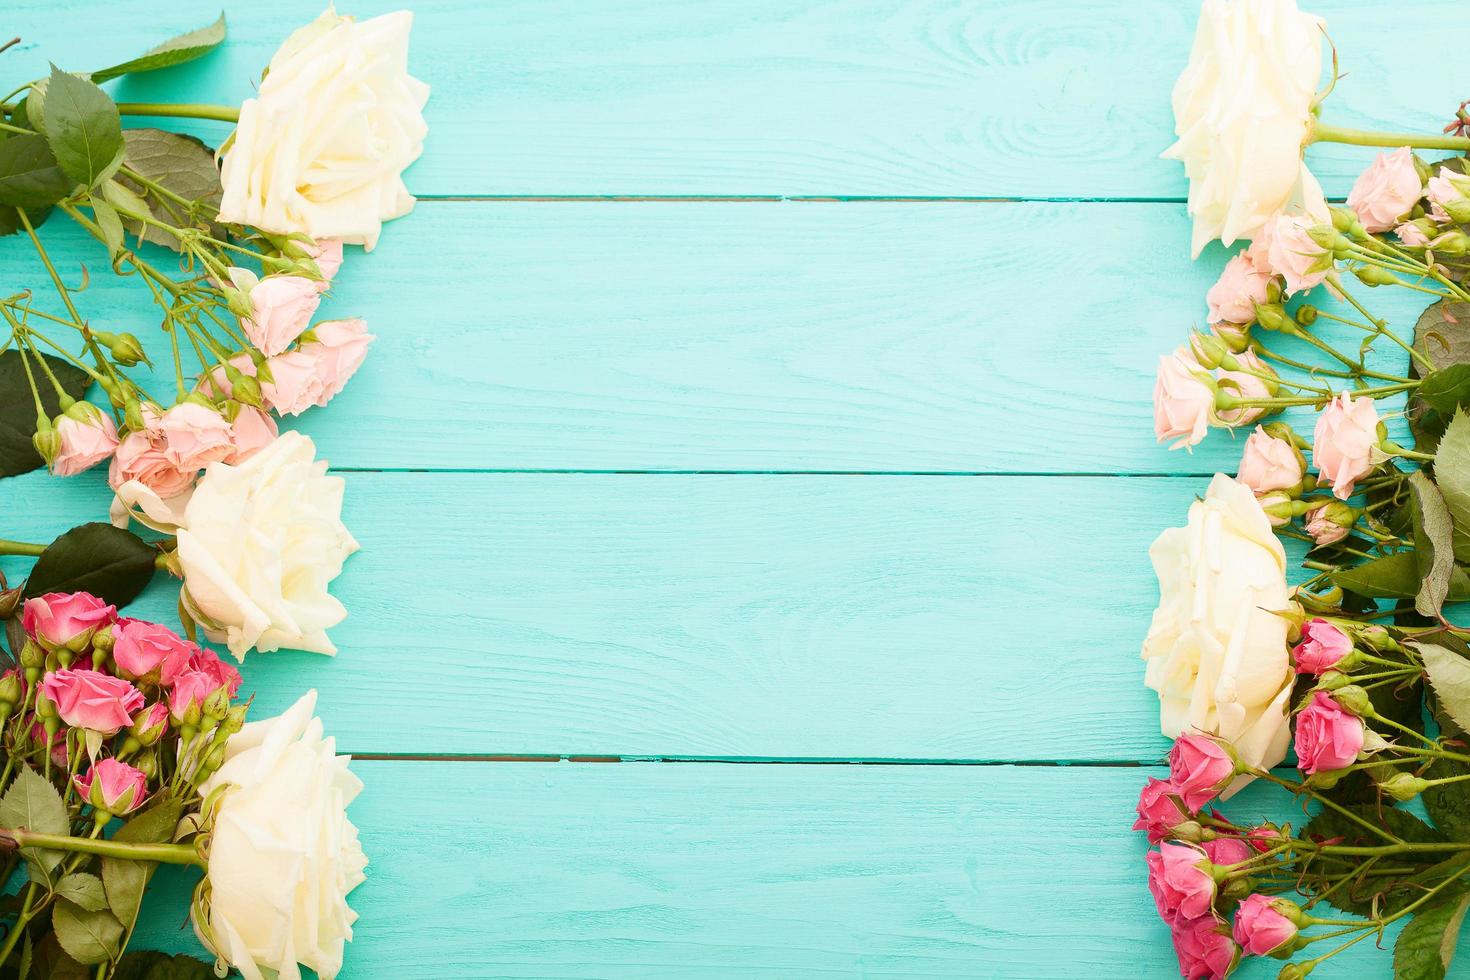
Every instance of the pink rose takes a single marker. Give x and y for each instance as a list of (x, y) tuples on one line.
[(1247, 382), (295, 385), (1342, 444), (1239, 290), (251, 432), (205, 675), (206, 661), (1322, 646), (148, 651), (1328, 737), (1324, 530), (65, 619), (92, 700), (1159, 812), (281, 308), (1269, 463), (1180, 880), (113, 787), (1446, 193), (339, 349), (1285, 248), (1184, 403), (194, 436), (140, 457), (1226, 850), (1387, 190), (1201, 768), (1260, 928), (1411, 235), (85, 442), (1204, 948), (327, 254)]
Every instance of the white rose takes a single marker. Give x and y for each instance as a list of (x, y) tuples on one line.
[(1216, 651), (323, 147), (258, 543), (1243, 113), (282, 854)]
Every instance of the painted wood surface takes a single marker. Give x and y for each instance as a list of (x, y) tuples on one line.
[(968, 98)]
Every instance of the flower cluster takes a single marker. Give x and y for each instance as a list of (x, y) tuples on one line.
[(106, 718)]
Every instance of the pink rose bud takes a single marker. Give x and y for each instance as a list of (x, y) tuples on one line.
[(1247, 382), (1264, 838), (92, 700), (87, 436), (1200, 767), (150, 724), (1184, 401), (1323, 645), (1159, 810), (192, 689), (1387, 190), (1343, 441), (207, 662), (1204, 948), (1226, 850), (1446, 192), (1412, 235), (1181, 882), (65, 619), (280, 308), (112, 787), (149, 652), (1278, 507), (1240, 289), (1327, 736), (338, 350), (194, 436), (251, 432), (1269, 463), (58, 744), (1329, 523), (327, 254), (1287, 249), (1260, 927)]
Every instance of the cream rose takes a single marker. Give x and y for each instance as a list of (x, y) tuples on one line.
[(282, 853), (1242, 112), (1216, 651), (323, 147), (258, 543)]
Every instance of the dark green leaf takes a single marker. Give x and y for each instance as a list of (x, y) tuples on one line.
[(1433, 544), (1442, 334), (1393, 893), (125, 880), (83, 128), (26, 954), (32, 803), (112, 564), (152, 965), (1396, 576), (87, 937), (10, 223), (82, 889), (175, 51), (1447, 389), (30, 177), (1449, 676), (1452, 474), (18, 408), (1448, 805), (1427, 944), (183, 165)]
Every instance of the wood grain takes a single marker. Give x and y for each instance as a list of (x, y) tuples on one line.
[(972, 98), (755, 336), (680, 870), (731, 616)]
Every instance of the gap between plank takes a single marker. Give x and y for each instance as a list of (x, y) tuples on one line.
[(752, 760), (617, 472), (796, 199)]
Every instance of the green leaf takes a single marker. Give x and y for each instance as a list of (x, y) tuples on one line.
[(183, 165), (1433, 544), (87, 937), (1396, 576), (150, 964), (10, 223), (1452, 473), (1391, 894), (109, 562), (83, 128), (1442, 334), (176, 51), (30, 177), (110, 225), (1427, 944), (1447, 389), (82, 889), (1449, 676), (26, 954), (125, 880), (32, 803)]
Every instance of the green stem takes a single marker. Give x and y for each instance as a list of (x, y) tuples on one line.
[(162, 853), (20, 548), (1324, 133), (186, 110), (21, 921)]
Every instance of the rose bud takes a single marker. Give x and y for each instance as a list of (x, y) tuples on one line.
[(149, 652), (1328, 737), (150, 724), (1323, 648), (1343, 442), (1181, 880), (1330, 523), (65, 620), (1201, 768), (92, 700), (1226, 851), (1270, 463), (1386, 192), (113, 788), (1278, 507), (85, 437), (12, 688), (1159, 810), (1264, 838), (1265, 925), (1404, 786), (1204, 947), (1241, 287)]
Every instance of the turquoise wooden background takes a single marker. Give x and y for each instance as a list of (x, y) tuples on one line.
[(762, 388)]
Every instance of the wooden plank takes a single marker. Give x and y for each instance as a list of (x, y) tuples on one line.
[(666, 870), (744, 336), (730, 616), (985, 98)]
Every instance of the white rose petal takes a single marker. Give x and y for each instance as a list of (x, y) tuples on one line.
[(1216, 651), (323, 147), (259, 542), (282, 853)]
